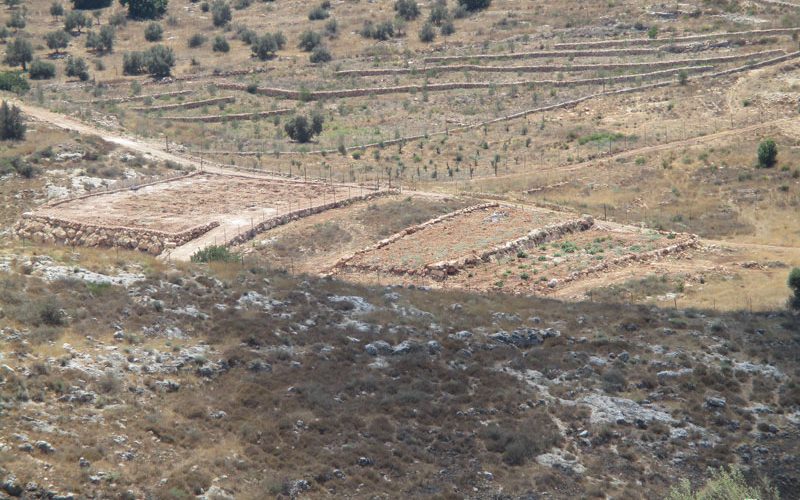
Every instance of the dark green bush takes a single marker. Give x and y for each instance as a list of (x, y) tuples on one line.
[(153, 32), (13, 81), (196, 40), (767, 153), (41, 70), (12, 126), (220, 44)]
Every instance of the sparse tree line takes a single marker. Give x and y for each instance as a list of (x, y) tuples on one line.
[(159, 60)]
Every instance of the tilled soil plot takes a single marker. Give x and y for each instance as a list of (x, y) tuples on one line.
[(549, 267), (178, 205), (458, 237)]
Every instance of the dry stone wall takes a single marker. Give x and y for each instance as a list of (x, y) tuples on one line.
[(440, 87), (680, 39), (558, 68), (133, 98), (522, 114), (229, 118), (46, 229), (534, 238), (345, 261), (301, 213), (187, 105), (545, 54), (440, 270)]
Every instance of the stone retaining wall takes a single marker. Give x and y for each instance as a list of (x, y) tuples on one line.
[(680, 39), (45, 229), (344, 261), (186, 105), (692, 241), (229, 118), (534, 238), (301, 213), (544, 54), (521, 114), (440, 87), (556, 68), (133, 98)]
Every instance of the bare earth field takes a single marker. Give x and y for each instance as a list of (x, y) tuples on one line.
[(174, 206)]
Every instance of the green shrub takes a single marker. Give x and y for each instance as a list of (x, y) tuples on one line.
[(473, 5), (767, 153), (318, 13), (220, 44), (265, 46), (309, 40), (77, 67), (57, 40), (13, 81), (246, 35), (320, 54), (19, 52), (196, 40), (407, 9), (427, 33), (160, 60), (153, 32), (103, 41), (41, 70), (723, 485), (448, 28), (75, 21), (90, 4), (133, 63), (145, 9), (303, 129), (12, 126), (220, 13), (214, 253)]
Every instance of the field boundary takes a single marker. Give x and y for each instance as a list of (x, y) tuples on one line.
[(533, 238), (554, 68), (230, 117), (440, 87), (513, 116), (342, 262), (133, 98), (693, 241), (69, 232), (679, 39), (186, 105), (294, 215)]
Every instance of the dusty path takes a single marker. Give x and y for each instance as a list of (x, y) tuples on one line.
[(133, 143)]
